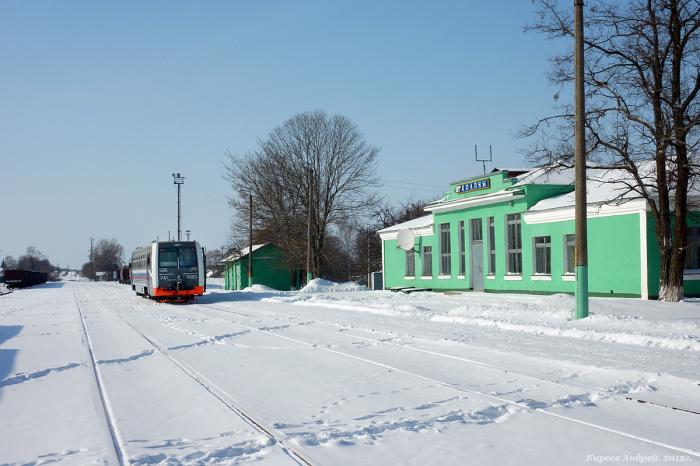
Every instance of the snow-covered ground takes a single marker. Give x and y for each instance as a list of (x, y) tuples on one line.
[(92, 374)]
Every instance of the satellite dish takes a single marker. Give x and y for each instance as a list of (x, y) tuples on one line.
[(406, 238)]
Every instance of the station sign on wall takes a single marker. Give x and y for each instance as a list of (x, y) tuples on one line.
[(476, 185)]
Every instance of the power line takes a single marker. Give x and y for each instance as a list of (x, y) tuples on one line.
[(418, 184)]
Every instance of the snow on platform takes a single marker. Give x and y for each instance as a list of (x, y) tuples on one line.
[(339, 375)]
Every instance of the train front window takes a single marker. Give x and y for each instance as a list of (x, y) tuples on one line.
[(188, 257), (168, 257), (183, 257)]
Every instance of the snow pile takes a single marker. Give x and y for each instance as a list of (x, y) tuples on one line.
[(553, 316), (332, 302), (554, 308), (610, 321), (259, 289), (680, 342), (319, 285)]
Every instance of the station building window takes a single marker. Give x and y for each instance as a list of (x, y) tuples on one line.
[(569, 254), (492, 247), (692, 253), (427, 261), (543, 255), (462, 247), (445, 257), (410, 263), (477, 234), (514, 244)]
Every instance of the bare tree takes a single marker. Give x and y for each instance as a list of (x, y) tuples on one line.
[(107, 257), (34, 260), (312, 165), (368, 246), (642, 76), (10, 263)]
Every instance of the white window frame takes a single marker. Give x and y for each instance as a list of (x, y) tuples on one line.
[(462, 249), (491, 239), (410, 259), (517, 222), (429, 262), (445, 251), (692, 247), (567, 265), (545, 246)]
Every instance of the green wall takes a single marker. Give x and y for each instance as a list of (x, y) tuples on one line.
[(690, 287), (614, 252), (270, 268), (614, 248)]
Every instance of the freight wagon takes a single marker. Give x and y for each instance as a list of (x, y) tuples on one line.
[(24, 278)]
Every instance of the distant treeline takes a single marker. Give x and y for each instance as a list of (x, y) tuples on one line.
[(33, 259)]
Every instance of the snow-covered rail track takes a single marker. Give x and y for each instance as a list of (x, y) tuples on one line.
[(222, 396), (116, 438), (451, 386), (473, 362), (486, 365)]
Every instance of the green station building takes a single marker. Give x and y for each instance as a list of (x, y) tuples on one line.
[(513, 231), (270, 268)]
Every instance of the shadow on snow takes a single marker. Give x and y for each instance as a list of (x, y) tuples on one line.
[(233, 296), (7, 356)]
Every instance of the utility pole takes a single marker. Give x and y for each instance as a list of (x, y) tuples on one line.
[(580, 170), (309, 273), (178, 181), (250, 240), (92, 262), (369, 274)]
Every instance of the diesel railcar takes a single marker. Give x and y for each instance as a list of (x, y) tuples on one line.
[(169, 270)]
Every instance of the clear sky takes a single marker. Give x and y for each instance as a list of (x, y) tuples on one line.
[(101, 101)]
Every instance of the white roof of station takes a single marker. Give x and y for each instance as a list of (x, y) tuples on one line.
[(244, 252), (602, 187), (546, 175), (420, 222)]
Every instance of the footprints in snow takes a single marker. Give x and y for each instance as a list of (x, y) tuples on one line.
[(19, 378), (186, 451), (134, 357)]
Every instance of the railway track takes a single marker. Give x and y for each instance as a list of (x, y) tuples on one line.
[(474, 362), (487, 396), (115, 435), (192, 308), (220, 395)]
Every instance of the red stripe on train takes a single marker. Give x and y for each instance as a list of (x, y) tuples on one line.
[(196, 291)]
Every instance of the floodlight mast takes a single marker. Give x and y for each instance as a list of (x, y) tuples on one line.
[(178, 181)]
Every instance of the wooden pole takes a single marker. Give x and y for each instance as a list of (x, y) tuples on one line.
[(580, 170)]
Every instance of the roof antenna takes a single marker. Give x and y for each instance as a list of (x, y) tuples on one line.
[(483, 161)]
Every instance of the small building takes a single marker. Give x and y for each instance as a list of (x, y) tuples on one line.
[(513, 231), (270, 268)]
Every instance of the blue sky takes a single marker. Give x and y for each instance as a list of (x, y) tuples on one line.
[(101, 101)]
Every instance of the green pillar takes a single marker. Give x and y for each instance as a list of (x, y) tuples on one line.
[(581, 291)]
